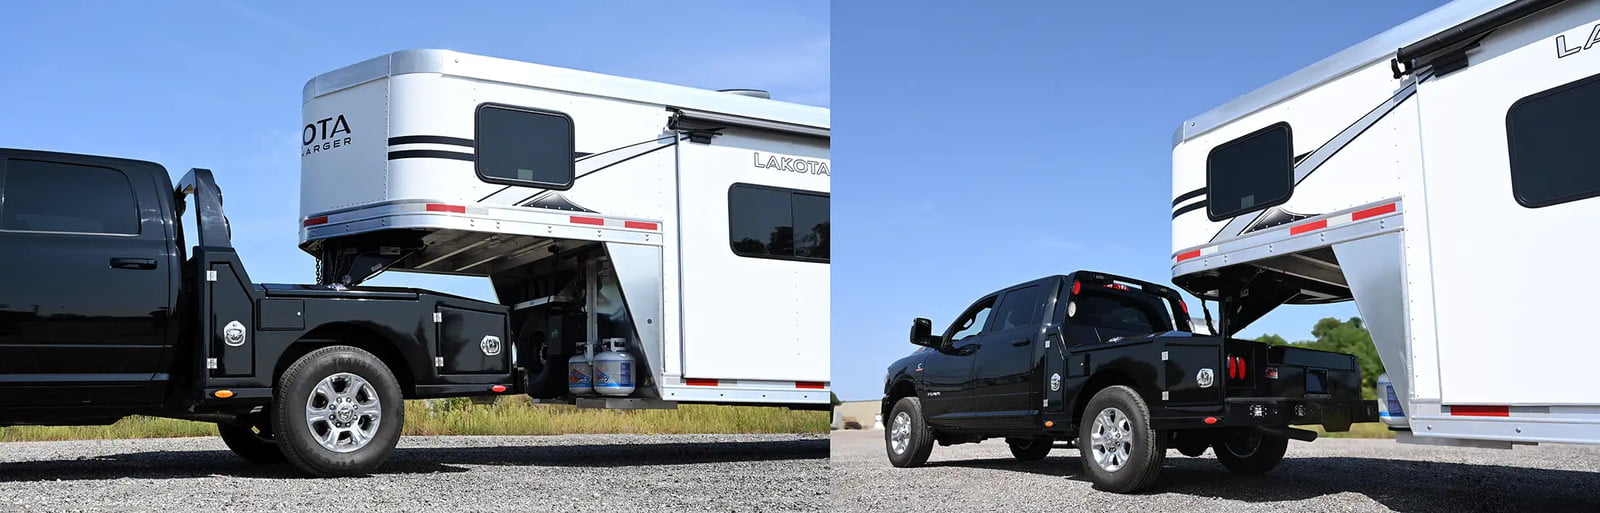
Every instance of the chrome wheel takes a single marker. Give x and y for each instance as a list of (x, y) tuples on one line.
[(900, 433), (1111, 439), (343, 412)]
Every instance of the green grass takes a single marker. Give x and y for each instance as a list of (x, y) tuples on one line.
[(511, 415)]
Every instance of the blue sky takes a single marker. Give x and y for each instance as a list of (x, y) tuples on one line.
[(217, 84), (981, 146)]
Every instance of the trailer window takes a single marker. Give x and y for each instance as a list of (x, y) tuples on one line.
[(58, 197), (525, 147), (768, 222), (1250, 173), (1552, 158)]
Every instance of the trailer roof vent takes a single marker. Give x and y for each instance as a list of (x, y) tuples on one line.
[(753, 93)]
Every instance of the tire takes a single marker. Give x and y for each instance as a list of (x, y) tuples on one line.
[(360, 407), (251, 441), (908, 439), (1030, 449), (1250, 452), (1131, 453)]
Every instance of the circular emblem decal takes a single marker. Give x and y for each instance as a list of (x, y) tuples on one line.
[(1205, 378), (233, 334), (1055, 382), (490, 345)]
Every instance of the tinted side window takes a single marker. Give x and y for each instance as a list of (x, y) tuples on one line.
[(971, 324), (1094, 316), (769, 222), (524, 147), (1552, 158), (1020, 308), (57, 197), (1250, 173)]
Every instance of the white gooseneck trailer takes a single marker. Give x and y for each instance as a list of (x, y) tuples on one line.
[(1448, 188), (689, 225)]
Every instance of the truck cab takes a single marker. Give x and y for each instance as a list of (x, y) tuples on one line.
[(1112, 366), (111, 308)]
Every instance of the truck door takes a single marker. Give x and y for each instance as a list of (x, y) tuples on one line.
[(85, 304), (946, 374), (1004, 391)]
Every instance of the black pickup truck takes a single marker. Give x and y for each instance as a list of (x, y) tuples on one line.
[(105, 312), (1111, 366)]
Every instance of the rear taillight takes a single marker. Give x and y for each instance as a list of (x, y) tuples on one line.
[(1185, 306), (1236, 368), (1077, 286)]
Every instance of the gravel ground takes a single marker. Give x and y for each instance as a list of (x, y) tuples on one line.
[(1326, 475), (545, 473)]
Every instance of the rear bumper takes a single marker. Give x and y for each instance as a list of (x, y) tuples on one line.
[(1333, 415)]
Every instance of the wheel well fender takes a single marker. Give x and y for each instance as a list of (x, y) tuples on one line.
[(354, 335), (1099, 381), (901, 389)]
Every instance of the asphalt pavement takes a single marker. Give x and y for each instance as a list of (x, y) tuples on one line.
[(456, 474), (1343, 475)]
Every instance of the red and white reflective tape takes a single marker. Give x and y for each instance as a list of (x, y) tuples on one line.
[(481, 211), (706, 382), (1196, 253), (1307, 227), (614, 223)]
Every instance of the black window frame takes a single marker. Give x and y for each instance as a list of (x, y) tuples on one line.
[(1211, 198), (6, 169), (1034, 319), (1511, 145), (732, 189), (477, 149), (990, 302)]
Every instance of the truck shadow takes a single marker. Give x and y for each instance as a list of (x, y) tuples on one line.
[(415, 460), (1400, 485)]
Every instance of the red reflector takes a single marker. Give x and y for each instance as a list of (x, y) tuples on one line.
[(1211, 420), (497, 389), (1076, 286), (700, 382), (1481, 411), (1233, 369), (1242, 373), (1308, 227), (1373, 212), (639, 226), (315, 221), (436, 207), (810, 384), (1185, 305), (1188, 255), (588, 220)]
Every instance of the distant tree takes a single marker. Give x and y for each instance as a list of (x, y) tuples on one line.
[(1272, 340), (1349, 337)]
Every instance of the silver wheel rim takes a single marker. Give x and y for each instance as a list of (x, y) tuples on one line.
[(1111, 439), (900, 433), (343, 412)]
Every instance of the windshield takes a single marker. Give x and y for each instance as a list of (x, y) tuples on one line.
[(1100, 315)]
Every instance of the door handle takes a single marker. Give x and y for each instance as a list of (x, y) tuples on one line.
[(133, 263), (1021, 343)]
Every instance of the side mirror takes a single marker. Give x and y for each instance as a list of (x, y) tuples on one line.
[(922, 333)]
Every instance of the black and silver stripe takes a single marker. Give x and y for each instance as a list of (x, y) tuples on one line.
[(431, 154)]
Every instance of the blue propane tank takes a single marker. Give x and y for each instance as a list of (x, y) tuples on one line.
[(1391, 409), (613, 370), (580, 374)]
